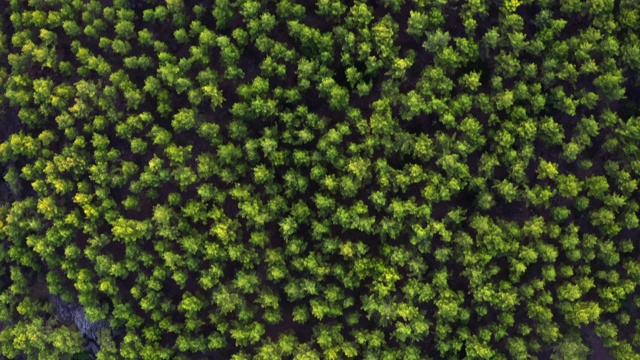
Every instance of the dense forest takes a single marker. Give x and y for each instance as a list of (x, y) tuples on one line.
[(331, 179)]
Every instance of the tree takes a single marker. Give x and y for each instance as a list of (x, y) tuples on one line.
[(584, 312), (569, 186), (507, 190), (597, 186), (609, 85), (547, 170), (338, 96), (131, 230), (248, 334), (190, 303), (35, 338)]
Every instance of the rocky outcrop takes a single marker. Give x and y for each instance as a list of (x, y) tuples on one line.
[(74, 312), (10, 123)]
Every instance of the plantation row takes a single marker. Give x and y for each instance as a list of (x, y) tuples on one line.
[(395, 179)]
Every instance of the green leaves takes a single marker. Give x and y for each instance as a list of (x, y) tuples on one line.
[(189, 303), (131, 231), (336, 183), (247, 335), (39, 339), (338, 96)]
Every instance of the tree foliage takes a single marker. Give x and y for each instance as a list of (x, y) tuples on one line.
[(375, 180)]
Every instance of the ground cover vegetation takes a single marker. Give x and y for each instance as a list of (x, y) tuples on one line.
[(392, 179)]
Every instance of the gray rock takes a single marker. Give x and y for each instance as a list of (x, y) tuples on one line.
[(75, 313)]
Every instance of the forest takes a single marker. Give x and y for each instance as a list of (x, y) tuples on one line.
[(330, 179)]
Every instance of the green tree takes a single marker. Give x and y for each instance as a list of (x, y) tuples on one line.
[(35, 338), (131, 230)]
